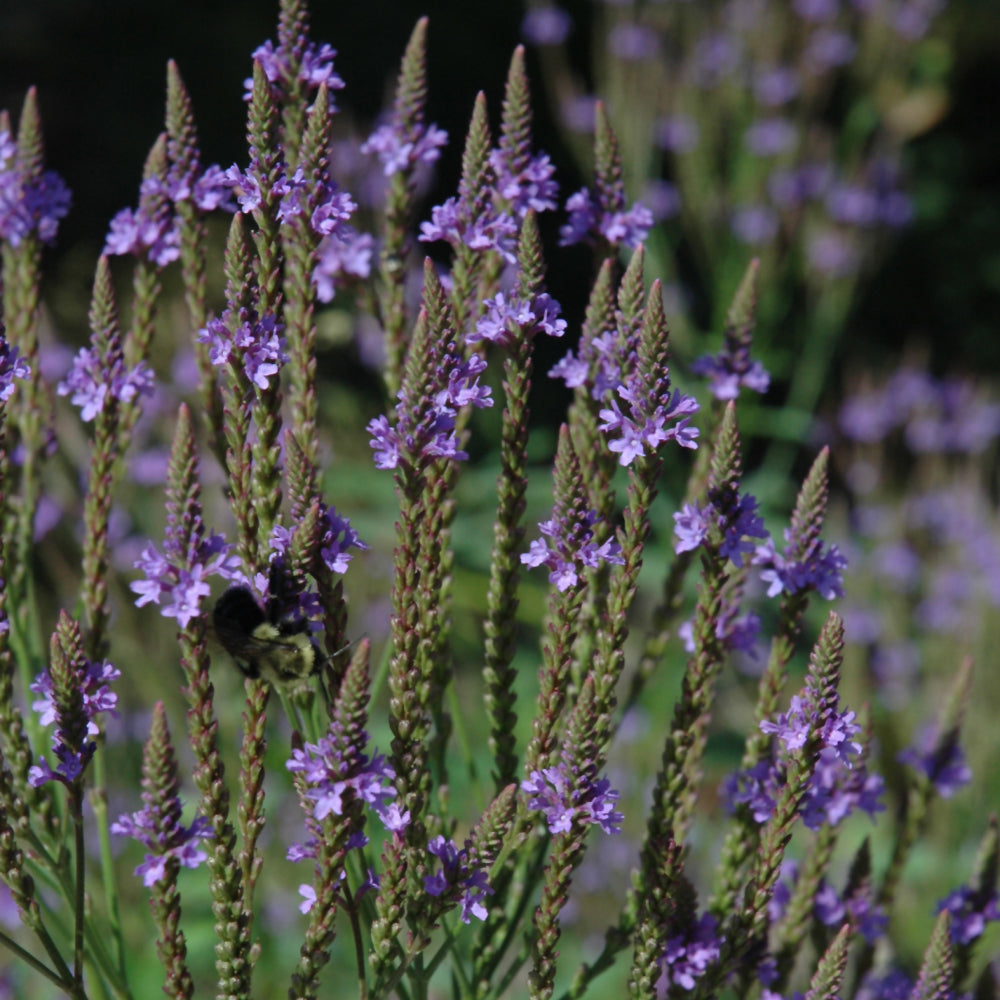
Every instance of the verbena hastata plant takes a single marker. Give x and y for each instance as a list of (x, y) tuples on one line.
[(776, 126), (409, 890)]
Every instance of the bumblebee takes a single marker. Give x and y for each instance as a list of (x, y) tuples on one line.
[(269, 644)]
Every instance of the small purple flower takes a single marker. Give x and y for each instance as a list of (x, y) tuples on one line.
[(490, 231), (507, 322), (334, 771), (821, 568), (455, 877), (426, 428), (546, 26), (91, 682), (726, 511), (178, 841), (869, 919), (93, 380), (398, 152), (256, 346), (28, 204), (943, 765), (342, 256), (571, 550), (337, 536), (776, 86), (730, 370), (970, 912), (687, 955), (177, 579), (315, 69), (12, 366), (566, 802), (588, 222), (532, 187)]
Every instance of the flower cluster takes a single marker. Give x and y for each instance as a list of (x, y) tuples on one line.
[(12, 366), (588, 221), (642, 427), (571, 550), (725, 514), (253, 345), (840, 783), (863, 913), (93, 380), (315, 68), (730, 370), (399, 152), (530, 188), (333, 776), (165, 841), (819, 568), (687, 955), (456, 878), (426, 428), (567, 802), (28, 204), (508, 320), (489, 230), (177, 578), (90, 684)]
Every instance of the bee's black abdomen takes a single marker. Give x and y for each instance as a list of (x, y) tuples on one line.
[(237, 611)]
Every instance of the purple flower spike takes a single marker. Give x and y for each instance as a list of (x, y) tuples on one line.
[(734, 516), (970, 912), (315, 69), (455, 876), (506, 322), (256, 346), (90, 384), (821, 568), (587, 222), (571, 550), (398, 152), (943, 765), (689, 954), (553, 793), (180, 842), (28, 204)]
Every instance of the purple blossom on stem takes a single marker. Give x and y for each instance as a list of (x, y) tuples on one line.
[(566, 802), (315, 69), (455, 877), (507, 322), (587, 221), (532, 188), (28, 204), (725, 512), (821, 568), (334, 773), (255, 347), (426, 429), (571, 550), (336, 537), (943, 764), (70, 743), (341, 256), (731, 369), (733, 630), (867, 918), (598, 359), (93, 380), (687, 955), (12, 366), (644, 428), (178, 841), (150, 230), (398, 152), (970, 912), (177, 579), (491, 230)]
